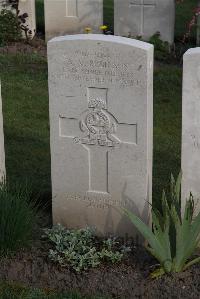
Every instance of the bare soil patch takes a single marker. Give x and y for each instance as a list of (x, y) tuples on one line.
[(129, 279)]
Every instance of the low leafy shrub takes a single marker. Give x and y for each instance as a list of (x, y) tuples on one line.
[(17, 217), (166, 53), (162, 50), (9, 27), (174, 238), (13, 22), (79, 249)]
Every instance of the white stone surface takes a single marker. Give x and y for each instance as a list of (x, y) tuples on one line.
[(28, 6), (2, 150), (144, 18), (101, 120), (191, 126), (72, 16)]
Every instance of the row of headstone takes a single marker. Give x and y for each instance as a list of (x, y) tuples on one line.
[(133, 18)]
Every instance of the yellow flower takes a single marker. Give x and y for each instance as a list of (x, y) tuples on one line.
[(88, 29), (103, 27)]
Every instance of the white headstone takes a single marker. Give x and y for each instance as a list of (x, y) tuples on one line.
[(143, 18), (28, 6), (2, 150), (191, 126), (72, 16), (101, 119)]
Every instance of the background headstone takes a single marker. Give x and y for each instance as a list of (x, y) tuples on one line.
[(2, 150), (72, 16), (191, 126), (101, 119), (143, 18), (28, 6)]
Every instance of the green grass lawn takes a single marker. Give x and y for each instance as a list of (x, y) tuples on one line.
[(167, 127), (25, 105), (26, 121)]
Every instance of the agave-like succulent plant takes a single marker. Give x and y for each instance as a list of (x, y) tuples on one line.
[(175, 237)]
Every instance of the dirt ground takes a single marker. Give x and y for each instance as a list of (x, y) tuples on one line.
[(129, 279)]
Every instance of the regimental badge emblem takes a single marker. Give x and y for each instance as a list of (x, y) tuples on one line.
[(98, 125)]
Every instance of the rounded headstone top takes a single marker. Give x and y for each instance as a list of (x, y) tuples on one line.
[(105, 38), (193, 51)]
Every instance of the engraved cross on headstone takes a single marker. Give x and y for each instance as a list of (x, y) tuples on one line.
[(99, 132), (71, 8), (142, 4)]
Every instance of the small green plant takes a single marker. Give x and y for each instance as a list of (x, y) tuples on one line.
[(13, 22), (9, 27), (17, 217), (161, 49), (174, 238), (79, 249)]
